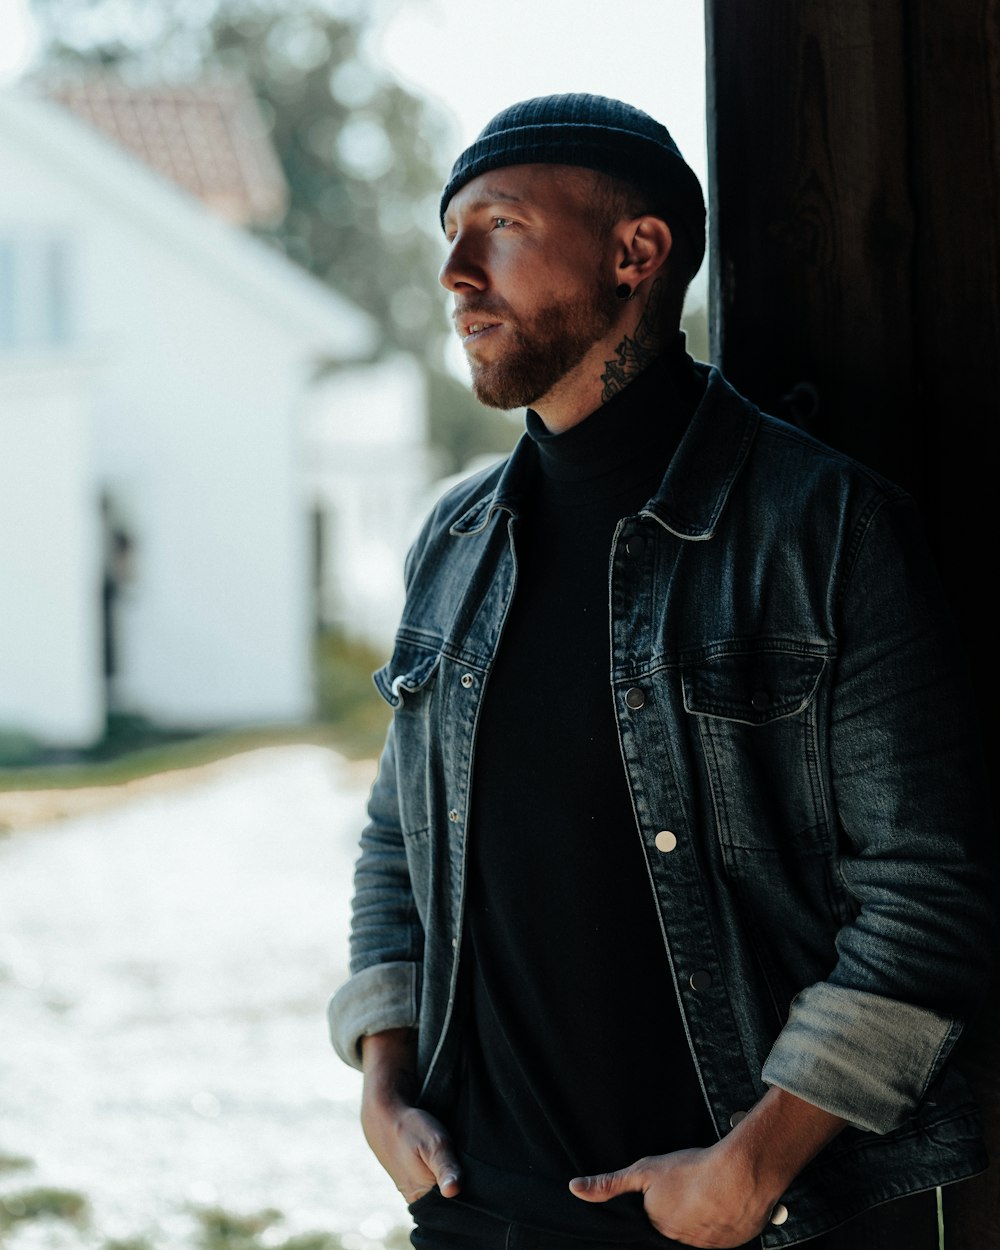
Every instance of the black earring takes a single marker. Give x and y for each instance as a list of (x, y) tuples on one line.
[(623, 290)]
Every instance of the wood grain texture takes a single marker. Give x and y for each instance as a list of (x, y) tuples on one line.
[(854, 193), (813, 220)]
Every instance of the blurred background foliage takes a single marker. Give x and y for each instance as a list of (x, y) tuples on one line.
[(364, 158)]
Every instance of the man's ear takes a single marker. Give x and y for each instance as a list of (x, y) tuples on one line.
[(645, 245)]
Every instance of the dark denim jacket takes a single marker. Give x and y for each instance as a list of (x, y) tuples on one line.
[(801, 749)]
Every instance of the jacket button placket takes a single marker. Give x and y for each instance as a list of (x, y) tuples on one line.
[(665, 841)]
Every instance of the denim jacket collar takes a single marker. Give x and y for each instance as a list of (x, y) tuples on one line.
[(694, 490)]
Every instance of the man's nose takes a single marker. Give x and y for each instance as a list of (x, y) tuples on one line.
[(462, 267)]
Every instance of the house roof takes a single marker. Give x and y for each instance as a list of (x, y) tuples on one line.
[(325, 324), (208, 137)]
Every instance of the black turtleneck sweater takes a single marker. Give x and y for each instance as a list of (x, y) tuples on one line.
[(574, 1058)]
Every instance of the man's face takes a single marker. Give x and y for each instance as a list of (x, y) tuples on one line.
[(533, 286)]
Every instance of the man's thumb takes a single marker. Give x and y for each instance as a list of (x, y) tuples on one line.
[(607, 1185)]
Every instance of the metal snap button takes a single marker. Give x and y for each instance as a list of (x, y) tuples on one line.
[(665, 841), (453, 815), (760, 700), (700, 980), (635, 544), (779, 1214), (737, 1118), (466, 680), (635, 697)]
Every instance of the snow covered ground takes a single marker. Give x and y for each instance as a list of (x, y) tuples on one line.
[(165, 965)]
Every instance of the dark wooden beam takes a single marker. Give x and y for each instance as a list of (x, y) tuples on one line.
[(813, 229), (854, 199), (953, 55)]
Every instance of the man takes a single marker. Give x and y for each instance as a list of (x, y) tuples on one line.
[(674, 897)]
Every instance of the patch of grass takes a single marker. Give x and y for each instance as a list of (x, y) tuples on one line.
[(351, 718), (312, 1241), (14, 1163), (43, 1202), (220, 1229), (132, 765), (17, 748), (346, 698), (128, 1243)]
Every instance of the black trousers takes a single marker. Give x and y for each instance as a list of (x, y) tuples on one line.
[(907, 1224)]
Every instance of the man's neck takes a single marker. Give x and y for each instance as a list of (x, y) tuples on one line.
[(607, 368), (603, 372)]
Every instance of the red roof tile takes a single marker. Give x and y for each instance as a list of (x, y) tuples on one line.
[(209, 138)]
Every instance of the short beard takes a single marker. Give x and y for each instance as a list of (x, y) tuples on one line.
[(545, 348)]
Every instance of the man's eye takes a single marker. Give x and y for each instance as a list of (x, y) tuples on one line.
[(501, 222)]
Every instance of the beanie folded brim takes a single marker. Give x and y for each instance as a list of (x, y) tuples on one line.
[(596, 133)]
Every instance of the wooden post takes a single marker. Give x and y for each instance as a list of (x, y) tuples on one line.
[(854, 199)]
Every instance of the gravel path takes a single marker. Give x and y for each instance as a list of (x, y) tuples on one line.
[(164, 969)]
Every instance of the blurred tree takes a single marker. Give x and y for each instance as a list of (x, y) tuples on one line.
[(364, 158), (458, 440)]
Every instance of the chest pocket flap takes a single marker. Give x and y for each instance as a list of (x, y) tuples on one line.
[(412, 666), (753, 687)]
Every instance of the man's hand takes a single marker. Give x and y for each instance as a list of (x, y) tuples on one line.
[(723, 1195), (700, 1197), (412, 1146)]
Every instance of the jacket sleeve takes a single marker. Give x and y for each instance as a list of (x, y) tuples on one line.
[(912, 814), (387, 937), (383, 990)]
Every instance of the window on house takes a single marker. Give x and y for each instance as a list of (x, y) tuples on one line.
[(35, 290)]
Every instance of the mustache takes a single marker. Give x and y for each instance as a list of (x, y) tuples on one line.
[(488, 306)]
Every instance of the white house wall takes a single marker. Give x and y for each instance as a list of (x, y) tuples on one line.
[(196, 431), (203, 372), (50, 686)]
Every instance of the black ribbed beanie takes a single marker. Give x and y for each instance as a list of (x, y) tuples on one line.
[(598, 133)]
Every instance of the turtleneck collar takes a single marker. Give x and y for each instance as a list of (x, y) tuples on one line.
[(645, 419)]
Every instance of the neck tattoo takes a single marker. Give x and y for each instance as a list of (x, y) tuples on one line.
[(634, 354)]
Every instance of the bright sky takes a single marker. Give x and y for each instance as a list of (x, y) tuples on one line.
[(478, 58)]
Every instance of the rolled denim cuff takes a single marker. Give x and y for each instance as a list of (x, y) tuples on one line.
[(383, 996), (863, 1057)]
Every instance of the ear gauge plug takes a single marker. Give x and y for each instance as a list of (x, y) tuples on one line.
[(624, 291)]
